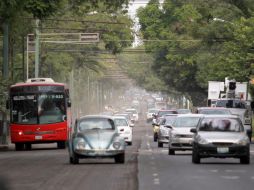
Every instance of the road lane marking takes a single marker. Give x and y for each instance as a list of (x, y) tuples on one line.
[(214, 171), (156, 181), (230, 177), (235, 171), (252, 177), (155, 174)]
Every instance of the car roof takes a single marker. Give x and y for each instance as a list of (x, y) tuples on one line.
[(220, 116), (212, 108), (190, 115), (119, 117), (96, 116)]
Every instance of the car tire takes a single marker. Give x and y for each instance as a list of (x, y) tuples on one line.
[(171, 152), (160, 144), (28, 146), (19, 146), (120, 158), (195, 157), (61, 145), (74, 159), (129, 143)]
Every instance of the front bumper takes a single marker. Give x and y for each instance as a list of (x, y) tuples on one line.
[(181, 144), (98, 153), (163, 139), (232, 151)]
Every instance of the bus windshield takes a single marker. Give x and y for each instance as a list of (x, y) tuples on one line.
[(38, 108)]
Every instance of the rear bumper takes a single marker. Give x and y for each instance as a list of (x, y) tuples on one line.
[(234, 151), (181, 144)]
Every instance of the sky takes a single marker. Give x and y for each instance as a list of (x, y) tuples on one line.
[(133, 7)]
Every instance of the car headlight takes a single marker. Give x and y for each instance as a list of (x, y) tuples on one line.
[(164, 132), (243, 142), (174, 135), (116, 145), (202, 141), (81, 145)]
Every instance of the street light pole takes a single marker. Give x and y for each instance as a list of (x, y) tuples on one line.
[(6, 51), (37, 49)]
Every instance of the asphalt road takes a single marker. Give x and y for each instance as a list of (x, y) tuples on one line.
[(147, 167), (158, 170)]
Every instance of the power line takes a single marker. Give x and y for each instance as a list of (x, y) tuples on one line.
[(75, 20)]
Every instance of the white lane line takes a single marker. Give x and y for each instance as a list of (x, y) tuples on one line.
[(230, 177), (197, 177), (235, 171), (214, 171), (155, 174), (252, 177), (156, 181)]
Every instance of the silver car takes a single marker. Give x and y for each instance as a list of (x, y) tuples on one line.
[(96, 137), (220, 136), (180, 137)]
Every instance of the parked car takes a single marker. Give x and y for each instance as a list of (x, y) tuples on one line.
[(124, 129), (164, 127), (213, 111), (180, 137), (96, 137), (220, 136)]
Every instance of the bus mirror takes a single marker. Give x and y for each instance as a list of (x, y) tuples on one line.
[(69, 103), (7, 104)]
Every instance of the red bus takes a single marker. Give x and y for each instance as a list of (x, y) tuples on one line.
[(39, 113)]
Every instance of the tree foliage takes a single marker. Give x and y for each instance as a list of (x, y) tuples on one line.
[(194, 41)]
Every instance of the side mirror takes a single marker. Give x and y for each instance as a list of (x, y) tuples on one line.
[(7, 104), (193, 130), (168, 126)]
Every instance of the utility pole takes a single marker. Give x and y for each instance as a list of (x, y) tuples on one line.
[(6, 51), (37, 49)]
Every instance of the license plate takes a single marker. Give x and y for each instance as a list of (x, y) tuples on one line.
[(38, 137), (223, 150)]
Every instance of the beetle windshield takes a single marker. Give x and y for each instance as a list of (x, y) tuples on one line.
[(96, 123)]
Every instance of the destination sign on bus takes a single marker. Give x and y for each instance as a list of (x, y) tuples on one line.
[(28, 89)]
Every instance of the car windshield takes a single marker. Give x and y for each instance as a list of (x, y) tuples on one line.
[(169, 120), (186, 122), (214, 112), (161, 113), (220, 124), (152, 111), (96, 123), (120, 122), (231, 104)]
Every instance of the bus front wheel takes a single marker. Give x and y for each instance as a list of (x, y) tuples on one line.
[(19, 146), (61, 145)]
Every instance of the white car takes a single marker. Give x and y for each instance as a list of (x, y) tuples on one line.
[(124, 128), (180, 137), (134, 113)]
